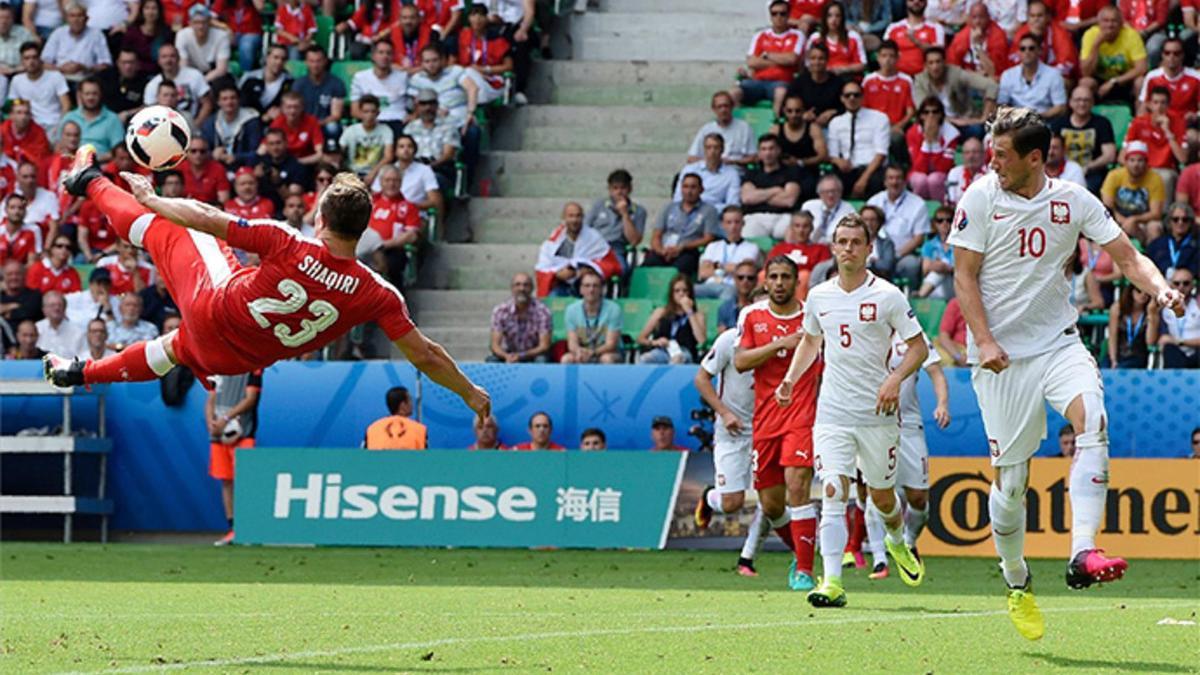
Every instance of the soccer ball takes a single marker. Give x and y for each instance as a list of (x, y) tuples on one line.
[(158, 138)]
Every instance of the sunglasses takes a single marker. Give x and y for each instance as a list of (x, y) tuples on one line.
[(745, 277), (852, 94), (931, 111), (1173, 52), (61, 246), (942, 219), (779, 13), (1028, 48), (1180, 283), (197, 152), (1179, 219)]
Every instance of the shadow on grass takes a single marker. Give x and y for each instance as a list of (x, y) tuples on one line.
[(494, 568), (1121, 666)]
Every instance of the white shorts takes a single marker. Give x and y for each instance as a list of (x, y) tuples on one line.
[(913, 471), (772, 225), (872, 450), (732, 470), (1013, 401)]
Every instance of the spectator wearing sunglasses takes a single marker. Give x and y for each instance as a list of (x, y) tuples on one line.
[(931, 144), (1033, 84), (1179, 248), (1178, 336), (937, 259)]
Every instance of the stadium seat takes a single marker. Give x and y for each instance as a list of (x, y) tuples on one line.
[(651, 282), (324, 31), (932, 206), (856, 204), (634, 314), (557, 304), (759, 119), (1119, 115), (85, 271), (297, 68), (345, 70), (764, 244), (929, 313), (710, 307)]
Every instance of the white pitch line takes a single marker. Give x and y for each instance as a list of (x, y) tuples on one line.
[(600, 632)]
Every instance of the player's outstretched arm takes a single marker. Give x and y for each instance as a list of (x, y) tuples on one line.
[(967, 264), (704, 385), (432, 359), (1143, 273), (189, 213), (941, 390)]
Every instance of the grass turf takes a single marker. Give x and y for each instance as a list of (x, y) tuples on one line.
[(136, 608)]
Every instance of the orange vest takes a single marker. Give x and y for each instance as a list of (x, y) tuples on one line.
[(396, 433)]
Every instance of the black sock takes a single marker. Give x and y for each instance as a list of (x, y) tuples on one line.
[(230, 520)]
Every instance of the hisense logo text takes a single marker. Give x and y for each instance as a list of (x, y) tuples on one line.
[(325, 497)]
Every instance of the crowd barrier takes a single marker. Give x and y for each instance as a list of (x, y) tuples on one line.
[(158, 470)]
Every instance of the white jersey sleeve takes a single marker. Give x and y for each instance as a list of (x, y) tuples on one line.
[(735, 389), (1097, 221), (811, 308), (970, 227)]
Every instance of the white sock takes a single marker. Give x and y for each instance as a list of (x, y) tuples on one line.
[(802, 512), (895, 534), (782, 521), (756, 534), (1089, 490), (875, 535), (914, 524), (713, 498), (1008, 517), (833, 536)]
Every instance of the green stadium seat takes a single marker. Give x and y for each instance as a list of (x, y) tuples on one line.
[(345, 70), (764, 244), (85, 271), (324, 32), (709, 306), (929, 314), (634, 314), (651, 282), (857, 204), (932, 207), (297, 68), (557, 304), (759, 119), (1119, 115)]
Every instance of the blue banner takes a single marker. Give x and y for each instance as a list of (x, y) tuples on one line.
[(455, 498)]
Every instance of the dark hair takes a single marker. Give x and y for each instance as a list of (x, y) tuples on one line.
[(159, 24), (368, 99), (1037, 41), (432, 47), (402, 137), (1026, 128), (720, 94), (395, 397), (272, 131), (165, 82), (769, 138), (595, 431), (1066, 430), (879, 213), (888, 44), (1154, 91), (30, 44), (18, 195), (785, 261), (935, 49), (732, 208), (823, 26), (620, 177), (316, 48), (292, 95), (479, 8), (692, 175), (673, 307), (540, 412), (717, 137), (818, 47), (777, 2), (228, 85), (276, 45), (346, 206), (381, 11), (326, 167), (934, 102), (164, 175), (90, 79), (851, 220), (587, 270)]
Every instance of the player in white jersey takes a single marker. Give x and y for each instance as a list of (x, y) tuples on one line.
[(856, 407), (733, 404), (1014, 231), (912, 474)]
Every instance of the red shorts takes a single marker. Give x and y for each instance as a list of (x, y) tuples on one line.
[(220, 458), (793, 448)]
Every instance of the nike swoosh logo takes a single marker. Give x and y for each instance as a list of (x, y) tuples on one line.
[(906, 572), (1099, 481), (824, 313), (1000, 216)]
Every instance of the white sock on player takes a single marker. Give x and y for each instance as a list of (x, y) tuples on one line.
[(833, 536), (875, 535), (756, 535), (914, 523), (895, 534), (1008, 531), (713, 498), (803, 512), (1089, 489)]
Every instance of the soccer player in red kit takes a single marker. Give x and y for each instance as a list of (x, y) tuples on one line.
[(768, 333), (306, 292)]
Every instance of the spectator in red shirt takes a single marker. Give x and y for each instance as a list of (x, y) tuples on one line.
[(804, 14), (129, 273), (771, 61), (1058, 47), (21, 137), (1183, 82), (797, 244), (295, 27), (982, 46), (1148, 18), (931, 144), (952, 335), (1164, 134), (540, 428), (847, 57), (397, 221), (18, 241), (96, 236), (890, 91), (204, 177), (914, 35), (484, 59), (1187, 190), (8, 174), (175, 12), (442, 18), (371, 22), (302, 130), (241, 18), (53, 272), (247, 203), (409, 38), (1078, 15)]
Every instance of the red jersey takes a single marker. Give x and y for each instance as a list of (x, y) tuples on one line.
[(758, 326), (482, 51), (19, 245), (302, 139), (298, 299), (391, 216), (369, 27), (407, 53), (1184, 88), (1070, 13), (113, 173), (101, 233), (207, 183), (50, 172), (1140, 14), (122, 279), (1142, 128), (912, 58), (802, 8), (963, 54), (842, 53), (42, 277), (175, 12), (1058, 50), (240, 15), (767, 41), (298, 21), (436, 14), (32, 146), (8, 176), (806, 256), (257, 209), (889, 95), (932, 157), (528, 445)]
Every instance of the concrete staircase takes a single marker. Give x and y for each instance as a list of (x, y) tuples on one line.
[(632, 96)]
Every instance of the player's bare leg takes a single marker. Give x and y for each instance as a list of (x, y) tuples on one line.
[(803, 525), (1089, 492)]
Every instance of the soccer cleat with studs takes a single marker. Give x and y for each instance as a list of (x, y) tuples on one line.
[(880, 571), (1024, 612), (83, 171), (828, 594), (745, 568), (703, 512), (1091, 566), (62, 372)]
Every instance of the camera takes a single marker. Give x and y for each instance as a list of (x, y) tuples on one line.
[(702, 431)]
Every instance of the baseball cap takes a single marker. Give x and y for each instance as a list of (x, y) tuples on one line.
[(1137, 148), (199, 12), (243, 171), (662, 421), (100, 275), (427, 96)]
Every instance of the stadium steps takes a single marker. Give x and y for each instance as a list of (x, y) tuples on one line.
[(516, 220), (657, 34), (453, 318)]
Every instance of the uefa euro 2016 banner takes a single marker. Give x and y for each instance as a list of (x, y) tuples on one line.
[(1153, 508), (455, 498)]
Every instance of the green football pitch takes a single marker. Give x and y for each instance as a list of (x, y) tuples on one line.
[(141, 608)]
